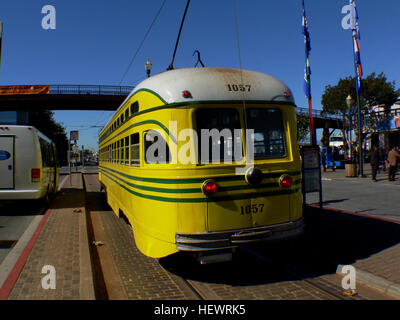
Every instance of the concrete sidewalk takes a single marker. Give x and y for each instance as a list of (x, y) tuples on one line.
[(366, 216), (61, 246)]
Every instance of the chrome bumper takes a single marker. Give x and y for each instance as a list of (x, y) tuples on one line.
[(233, 238)]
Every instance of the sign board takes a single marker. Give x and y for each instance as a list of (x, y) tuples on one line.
[(311, 180), (30, 89), (310, 158), (311, 169), (74, 135)]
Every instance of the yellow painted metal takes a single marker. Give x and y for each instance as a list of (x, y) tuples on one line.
[(160, 200)]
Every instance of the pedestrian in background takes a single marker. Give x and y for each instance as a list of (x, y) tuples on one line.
[(374, 162), (323, 156), (383, 159), (393, 159)]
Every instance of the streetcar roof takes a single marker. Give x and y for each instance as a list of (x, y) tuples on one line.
[(212, 84)]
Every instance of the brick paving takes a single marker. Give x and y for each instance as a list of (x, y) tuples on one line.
[(58, 246), (144, 278)]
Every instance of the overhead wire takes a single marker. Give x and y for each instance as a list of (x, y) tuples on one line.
[(241, 77), (143, 40)]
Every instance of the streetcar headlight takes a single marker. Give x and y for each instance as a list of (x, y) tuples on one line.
[(209, 187), (286, 181)]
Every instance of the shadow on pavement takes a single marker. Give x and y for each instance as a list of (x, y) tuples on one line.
[(22, 207), (331, 238), (348, 238)]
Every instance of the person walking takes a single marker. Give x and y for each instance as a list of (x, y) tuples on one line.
[(374, 162), (323, 156), (383, 159), (393, 158)]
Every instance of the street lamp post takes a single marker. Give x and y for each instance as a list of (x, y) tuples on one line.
[(148, 66)]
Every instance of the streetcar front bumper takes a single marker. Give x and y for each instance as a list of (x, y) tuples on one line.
[(233, 238)]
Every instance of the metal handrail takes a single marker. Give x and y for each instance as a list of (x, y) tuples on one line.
[(319, 114), (90, 89)]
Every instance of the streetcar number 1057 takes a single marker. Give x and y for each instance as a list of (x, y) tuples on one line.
[(254, 208), (239, 87)]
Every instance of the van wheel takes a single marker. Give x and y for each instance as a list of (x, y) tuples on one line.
[(48, 197)]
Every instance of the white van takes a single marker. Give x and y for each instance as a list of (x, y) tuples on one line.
[(28, 164)]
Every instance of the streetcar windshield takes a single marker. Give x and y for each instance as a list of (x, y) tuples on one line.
[(219, 131), (220, 134), (269, 135)]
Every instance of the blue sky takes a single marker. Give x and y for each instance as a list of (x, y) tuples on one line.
[(95, 40)]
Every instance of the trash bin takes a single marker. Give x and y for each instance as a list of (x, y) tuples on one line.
[(350, 169)]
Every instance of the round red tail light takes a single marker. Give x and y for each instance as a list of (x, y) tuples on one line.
[(286, 181), (186, 94), (210, 187)]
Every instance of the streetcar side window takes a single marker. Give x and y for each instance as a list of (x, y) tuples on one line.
[(156, 148), (134, 108), (126, 114), (126, 150), (269, 134), (121, 151), (117, 153), (135, 150)]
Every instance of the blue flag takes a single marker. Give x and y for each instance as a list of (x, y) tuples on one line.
[(307, 43), (356, 45)]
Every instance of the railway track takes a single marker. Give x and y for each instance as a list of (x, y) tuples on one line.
[(312, 283), (252, 275), (218, 286)]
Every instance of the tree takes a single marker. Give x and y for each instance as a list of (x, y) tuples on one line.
[(376, 91), (43, 120), (303, 126)]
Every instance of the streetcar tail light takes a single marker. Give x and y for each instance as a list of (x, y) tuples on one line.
[(286, 181), (210, 187), (35, 175), (186, 94)]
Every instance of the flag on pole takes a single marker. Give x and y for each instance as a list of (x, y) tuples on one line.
[(307, 73), (354, 23), (307, 43), (1, 38), (356, 45)]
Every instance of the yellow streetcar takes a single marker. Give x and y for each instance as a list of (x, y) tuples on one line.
[(204, 160)]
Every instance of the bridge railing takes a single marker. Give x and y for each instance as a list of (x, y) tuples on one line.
[(90, 89), (319, 114)]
